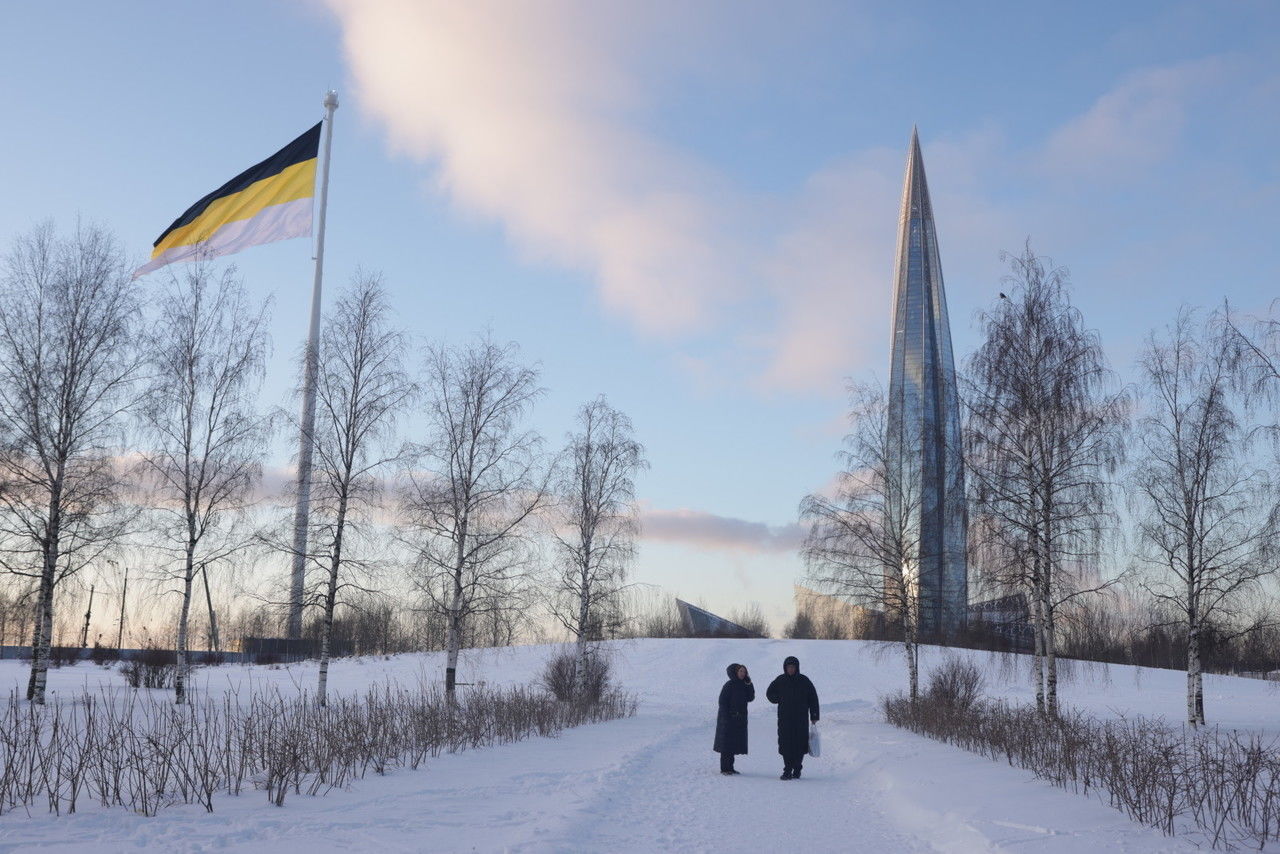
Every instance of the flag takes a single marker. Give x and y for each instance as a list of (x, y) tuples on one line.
[(267, 202)]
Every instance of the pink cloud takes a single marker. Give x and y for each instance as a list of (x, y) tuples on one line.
[(530, 113), (1133, 125), (708, 531), (537, 116)]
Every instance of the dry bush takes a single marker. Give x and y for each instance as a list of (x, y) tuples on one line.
[(955, 685), (800, 627), (103, 655), (557, 676), (143, 753), (1225, 784), (150, 667), (752, 619), (64, 656)]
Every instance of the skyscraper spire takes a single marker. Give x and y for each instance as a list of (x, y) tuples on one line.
[(927, 482)]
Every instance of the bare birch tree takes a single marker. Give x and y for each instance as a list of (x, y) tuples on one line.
[(478, 480), (1256, 351), (1208, 512), (596, 524), (361, 387), (863, 544), (1043, 440), (206, 355), (68, 311)]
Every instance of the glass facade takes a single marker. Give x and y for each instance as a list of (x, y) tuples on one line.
[(926, 477)]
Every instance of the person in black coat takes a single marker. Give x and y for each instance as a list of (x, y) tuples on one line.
[(731, 720), (797, 702)]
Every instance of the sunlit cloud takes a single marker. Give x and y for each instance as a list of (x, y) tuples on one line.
[(541, 118), (1134, 125), (529, 112), (703, 530)]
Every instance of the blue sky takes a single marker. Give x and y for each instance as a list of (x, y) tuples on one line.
[(688, 207)]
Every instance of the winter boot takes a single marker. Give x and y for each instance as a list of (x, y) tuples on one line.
[(786, 774), (795, 775)]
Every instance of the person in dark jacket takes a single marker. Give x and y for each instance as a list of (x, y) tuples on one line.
[(731, 720), (797, 702)]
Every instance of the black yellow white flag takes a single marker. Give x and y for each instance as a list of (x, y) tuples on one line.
[(270, 201)]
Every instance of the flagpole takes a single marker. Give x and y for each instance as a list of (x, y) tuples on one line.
[(302, 510)]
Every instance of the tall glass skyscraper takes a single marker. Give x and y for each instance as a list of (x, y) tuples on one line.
[(926, 477)]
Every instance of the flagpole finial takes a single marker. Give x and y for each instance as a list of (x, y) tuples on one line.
[(331, 99)]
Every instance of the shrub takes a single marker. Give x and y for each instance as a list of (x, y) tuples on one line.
[(1225, 783), (557, 676), (955, 686), (150, 667), (144, 753), (799, 628), (752, 619), (64, 656), (103, 655)]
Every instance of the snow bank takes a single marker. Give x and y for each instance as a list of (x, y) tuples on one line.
[(651, 782)]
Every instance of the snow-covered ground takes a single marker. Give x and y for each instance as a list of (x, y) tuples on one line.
[(651, 783)]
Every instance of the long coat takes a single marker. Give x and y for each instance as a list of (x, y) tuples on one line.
[(731, 720), (797, 702)]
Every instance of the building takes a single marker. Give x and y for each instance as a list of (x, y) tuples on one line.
[(700, 623), (832, 618), (926, 478), (1005, 617)]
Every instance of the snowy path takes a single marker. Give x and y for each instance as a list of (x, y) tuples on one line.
[(651, 783)]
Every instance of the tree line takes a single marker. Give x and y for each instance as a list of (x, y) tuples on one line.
[(130, 420), (1149, 507)]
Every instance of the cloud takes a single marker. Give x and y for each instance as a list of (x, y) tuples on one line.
[(531, 115), (707, 531), (536, 116), (831, 273), (547, 118), (1134, 125)]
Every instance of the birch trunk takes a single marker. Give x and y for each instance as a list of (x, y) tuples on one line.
[(1050, 648), (43, 639), (913, 661), (1195, 695), (453, 638), (44, 612), (184, 619), (1046, 593), (1037, 620), (330, 602), (584, 614), (1195, 690)]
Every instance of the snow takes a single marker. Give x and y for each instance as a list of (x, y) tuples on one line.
[(651, 783)]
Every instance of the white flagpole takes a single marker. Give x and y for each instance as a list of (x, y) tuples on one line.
[(302, 510)]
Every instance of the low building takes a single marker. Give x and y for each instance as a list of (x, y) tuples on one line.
[(701, 623)]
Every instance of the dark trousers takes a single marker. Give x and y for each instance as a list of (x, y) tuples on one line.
[(792, 762), (726, 761)]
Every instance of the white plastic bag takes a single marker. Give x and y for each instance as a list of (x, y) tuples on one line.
[(815, 743)]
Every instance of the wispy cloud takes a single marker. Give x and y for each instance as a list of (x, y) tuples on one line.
[(708, 531), (541, 117), (1133, 126), (531, 115)]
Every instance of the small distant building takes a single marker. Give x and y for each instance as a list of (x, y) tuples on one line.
[(701, 623), (834, 618), (1007, 617)]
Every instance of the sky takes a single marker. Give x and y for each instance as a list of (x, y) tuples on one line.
[(689, 208)]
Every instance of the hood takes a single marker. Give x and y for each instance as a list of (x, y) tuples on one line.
[(732, 670), (790, 659)]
